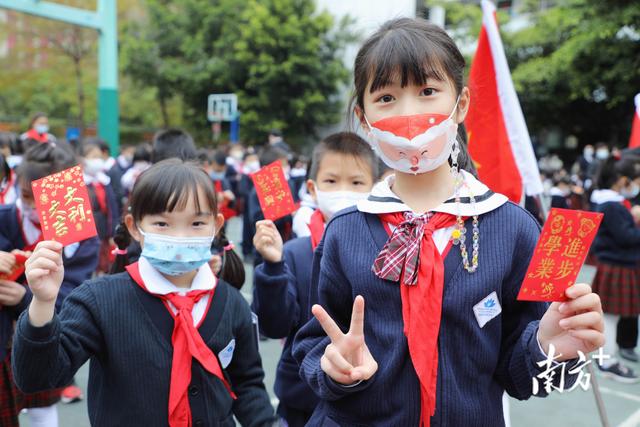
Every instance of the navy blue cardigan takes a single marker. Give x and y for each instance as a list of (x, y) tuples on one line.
[(281, 295), (126, 334), (77, 269), (618, 238), (475, 364)]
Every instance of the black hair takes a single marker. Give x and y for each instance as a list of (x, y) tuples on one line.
[(270, 154), (275, 132), (413, 51), (612, 169), (172, 143), (95, 141), (142, 153), (203, 156), (5, 170), (35, 117), (345, 143), (45, 159), (232, 270), (220, 158), (165, 187)]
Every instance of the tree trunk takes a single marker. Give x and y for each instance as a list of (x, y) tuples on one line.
[(163, 109), (78, 69)]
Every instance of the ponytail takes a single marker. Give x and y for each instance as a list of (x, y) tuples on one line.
[(232, 270), (464, 158), (122, 238)]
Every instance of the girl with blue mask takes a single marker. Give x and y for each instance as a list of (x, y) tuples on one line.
[(153, 321)]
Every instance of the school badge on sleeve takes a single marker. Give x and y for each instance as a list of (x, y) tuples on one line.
[(273, 191), (64, 207), (563, 246)]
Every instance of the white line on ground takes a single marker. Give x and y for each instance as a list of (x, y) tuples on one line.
[(632, 421), (622, 394)]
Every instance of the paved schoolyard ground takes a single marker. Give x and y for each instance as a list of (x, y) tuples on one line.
[(577, 408)]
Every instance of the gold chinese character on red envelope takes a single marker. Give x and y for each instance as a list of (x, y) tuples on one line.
[(563, 246), (64, 207), (273, 191)]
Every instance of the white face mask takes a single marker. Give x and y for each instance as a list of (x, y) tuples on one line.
[(631, 192), (330, 202), (602, 154), (252, 167), (93, 166), (414, 144), (41, 129)]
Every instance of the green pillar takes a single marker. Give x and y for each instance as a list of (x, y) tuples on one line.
[(105, 21), (108, 105)]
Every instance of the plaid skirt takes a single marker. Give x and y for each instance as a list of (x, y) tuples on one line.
[(12, 400), (619, 288)]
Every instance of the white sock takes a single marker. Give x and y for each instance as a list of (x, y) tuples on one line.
[(43, 417), (609, 348)]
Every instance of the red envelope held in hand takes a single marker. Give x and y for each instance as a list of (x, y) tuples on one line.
[(563, 246), (16, 271), (64, 207), (273, 191)]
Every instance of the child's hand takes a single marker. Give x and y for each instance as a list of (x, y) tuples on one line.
[(573, 325), (7, 261), (268, 241), (11, 293), (347, 359), (44, 271)]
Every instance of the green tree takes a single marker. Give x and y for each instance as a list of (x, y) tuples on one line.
[(281, 57), (577, 68)]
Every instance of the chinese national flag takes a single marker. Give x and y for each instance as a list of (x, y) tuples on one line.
[(634, 141), (499, 141)]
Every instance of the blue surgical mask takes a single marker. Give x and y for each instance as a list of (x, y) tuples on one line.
[(41, 129), (217, 176), (175, 256)]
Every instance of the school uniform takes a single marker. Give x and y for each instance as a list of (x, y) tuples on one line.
[(79, 260), (125, 327), (9, 189), (280, 298), (106, 214), (487, 340), (617, 252)]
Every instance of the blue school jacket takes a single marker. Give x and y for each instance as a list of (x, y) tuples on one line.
[(126, 332), (77, 269), (475, 365), (280, 299)]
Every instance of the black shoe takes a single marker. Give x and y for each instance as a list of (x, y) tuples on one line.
[(619, 372), (629, 354)]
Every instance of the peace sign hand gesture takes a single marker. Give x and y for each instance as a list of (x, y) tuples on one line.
[(347, 359)]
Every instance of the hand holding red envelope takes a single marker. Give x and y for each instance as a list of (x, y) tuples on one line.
[(563, 246), (64, 207), (273, 191), (17, 270)]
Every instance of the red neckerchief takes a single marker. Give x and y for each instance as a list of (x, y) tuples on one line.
[(9, 185), (187, 344), (627, 204), (316, 227), (404, 258), (40, 137), (101, 196)]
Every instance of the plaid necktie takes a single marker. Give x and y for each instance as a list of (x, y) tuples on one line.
[(402, 250)]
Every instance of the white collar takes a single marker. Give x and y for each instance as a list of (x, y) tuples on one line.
[(383, 200), (603, 196), (156, 283), (101, 177)]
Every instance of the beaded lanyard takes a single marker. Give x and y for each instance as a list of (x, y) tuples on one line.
[(458, 235)]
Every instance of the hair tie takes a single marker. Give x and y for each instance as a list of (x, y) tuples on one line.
[(229, 247), (118, 251)]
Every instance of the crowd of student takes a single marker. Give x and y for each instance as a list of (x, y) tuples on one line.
[(416, 236)]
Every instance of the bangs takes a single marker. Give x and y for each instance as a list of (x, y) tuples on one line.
[(401, 58), (169, 186)]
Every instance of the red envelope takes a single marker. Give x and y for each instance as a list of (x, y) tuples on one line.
[(273, 191), (64, 207), (563, 246), (16, 271)]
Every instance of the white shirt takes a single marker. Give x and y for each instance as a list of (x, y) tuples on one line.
[(156, 283)]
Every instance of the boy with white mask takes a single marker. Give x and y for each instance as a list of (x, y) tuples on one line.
[(343, 171)]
